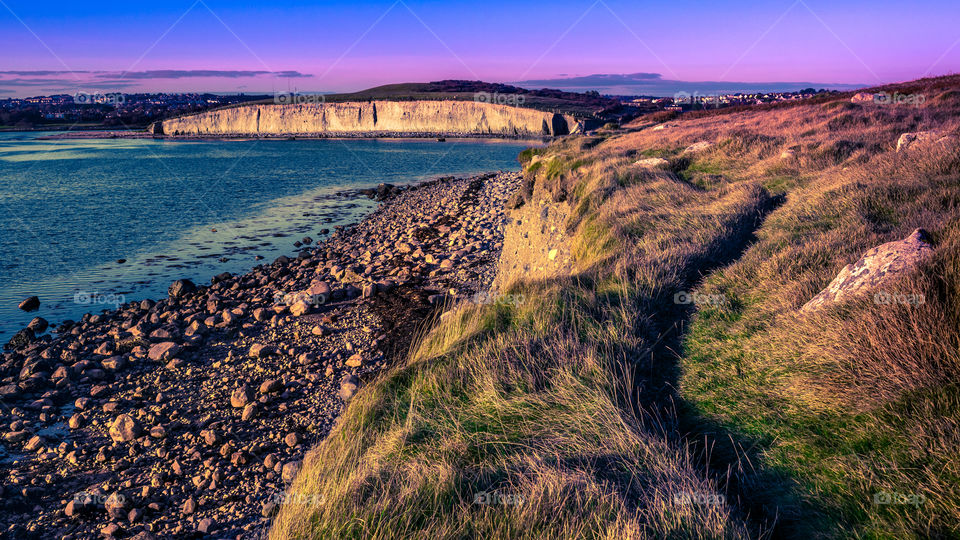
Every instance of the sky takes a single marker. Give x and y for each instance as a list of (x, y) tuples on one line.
[(614, 46)]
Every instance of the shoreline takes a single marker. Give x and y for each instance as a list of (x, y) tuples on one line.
[(222, 234), (106, 134), (104, 403)]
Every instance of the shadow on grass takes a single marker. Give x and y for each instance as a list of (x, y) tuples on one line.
[(766, 498)]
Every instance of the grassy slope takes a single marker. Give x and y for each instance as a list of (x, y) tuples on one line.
[(599, 400)]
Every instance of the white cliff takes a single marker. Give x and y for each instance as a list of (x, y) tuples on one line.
[(372, 118)]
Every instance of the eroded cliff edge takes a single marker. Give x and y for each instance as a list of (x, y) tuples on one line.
[(371, 118)]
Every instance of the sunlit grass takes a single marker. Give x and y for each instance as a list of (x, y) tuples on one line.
[(591, 405)]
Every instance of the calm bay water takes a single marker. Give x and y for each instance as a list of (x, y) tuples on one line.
[(70, 209)]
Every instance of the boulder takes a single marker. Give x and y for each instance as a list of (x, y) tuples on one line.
[(206, 525), (189, 506), (270, 386), (116, 505), (299, 308), (259, 350), (114, 363), (349, 387), (125, 428), (697, 147), (181, 287), (319, 292), (908, 140), (21, 339), (34, 444), (30, 304), (652, 162), (164, 351), (241, 396), (290, 470), (864, 97), (881, 265), (38, 325)]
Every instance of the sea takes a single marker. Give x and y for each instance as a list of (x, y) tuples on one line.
[(89, 224)]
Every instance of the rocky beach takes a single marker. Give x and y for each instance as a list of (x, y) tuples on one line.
[(189, 416)]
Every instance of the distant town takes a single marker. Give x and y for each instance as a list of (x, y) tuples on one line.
[(108, 111), (685, 101), (134, 111)]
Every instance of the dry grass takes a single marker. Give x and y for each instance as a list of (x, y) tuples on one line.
[(590, 408)]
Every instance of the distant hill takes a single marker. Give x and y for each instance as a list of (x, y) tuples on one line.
[(573, 103)]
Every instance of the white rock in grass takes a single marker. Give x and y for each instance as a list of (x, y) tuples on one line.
[(652, 162), (879, 266)]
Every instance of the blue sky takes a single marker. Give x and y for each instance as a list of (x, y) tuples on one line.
[(337, 46)]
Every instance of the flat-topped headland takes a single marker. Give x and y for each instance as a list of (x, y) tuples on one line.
[(438, 109), (370, 119)]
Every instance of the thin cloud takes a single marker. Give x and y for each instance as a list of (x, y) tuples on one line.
[(42, 73), (22, 81), (206, 73), (603, 79), (160, 73), (32, 81), (653, 84)]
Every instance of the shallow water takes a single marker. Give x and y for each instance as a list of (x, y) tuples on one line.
[(69, 209)]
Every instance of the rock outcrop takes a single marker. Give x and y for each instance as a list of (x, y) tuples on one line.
[(652, 162), (697, 147), (373, 118), (864, 97), (908, 140), (880, 265)]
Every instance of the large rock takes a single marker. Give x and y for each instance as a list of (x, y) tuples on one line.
[(652, 162), (30, 304), (864, 97), (116, 505), (319, 292), (299, 308), (698, 147), (910, 140), (162, 352), (289, 471), (38, 324), (181, 287), (260, 350), (241, 396), (349, 387), (125, 428), (882, 264), (21, 339)]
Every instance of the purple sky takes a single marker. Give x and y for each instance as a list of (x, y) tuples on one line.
[(209, 45)]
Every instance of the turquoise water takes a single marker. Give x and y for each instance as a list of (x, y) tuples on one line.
[(70, 209)]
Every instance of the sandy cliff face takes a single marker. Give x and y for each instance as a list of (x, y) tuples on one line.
[(372, 118)]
